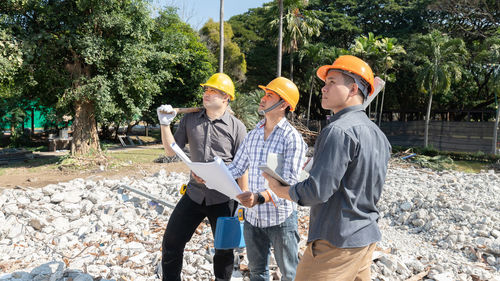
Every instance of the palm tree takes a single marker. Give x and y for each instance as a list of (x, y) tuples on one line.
[(387, 48), (316, 55), (495, 85), (365, 47), (488, 59), (300, 25), (440, 57)]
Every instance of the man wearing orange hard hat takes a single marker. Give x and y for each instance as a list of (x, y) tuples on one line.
[(270, 220), (345, 181)]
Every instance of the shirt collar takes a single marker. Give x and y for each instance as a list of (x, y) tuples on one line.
[(346, 110), (225, 118), (281, 124)]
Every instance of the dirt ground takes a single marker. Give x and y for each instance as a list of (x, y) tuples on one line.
[(30, 175)]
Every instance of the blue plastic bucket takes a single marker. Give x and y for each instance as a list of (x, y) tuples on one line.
[(229, 233)]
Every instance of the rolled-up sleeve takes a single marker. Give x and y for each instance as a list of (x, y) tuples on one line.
[(332, 155)]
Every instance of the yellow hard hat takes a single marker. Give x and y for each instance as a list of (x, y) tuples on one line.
[(221, 82), (286, 89), (350, 64)]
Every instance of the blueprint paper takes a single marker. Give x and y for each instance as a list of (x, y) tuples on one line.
[(215, 174)]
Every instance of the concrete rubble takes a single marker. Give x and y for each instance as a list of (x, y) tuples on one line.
[(435, 225)]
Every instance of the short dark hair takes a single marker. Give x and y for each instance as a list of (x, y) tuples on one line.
[(348, 81)]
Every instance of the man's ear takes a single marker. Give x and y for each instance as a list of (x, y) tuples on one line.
[(353, 90), (285, 105)]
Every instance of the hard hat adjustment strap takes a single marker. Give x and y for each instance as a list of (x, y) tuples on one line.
[(262, 112), (363, 86)]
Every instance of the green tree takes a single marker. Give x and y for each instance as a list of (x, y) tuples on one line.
[(300, 25), (496, 89), (366, 47), (11, 60), (249, 33), (388, 49), (89, 59), (439, 58), (246, 106), (234, 60), (315, 55), (468, 19), (182, 63)]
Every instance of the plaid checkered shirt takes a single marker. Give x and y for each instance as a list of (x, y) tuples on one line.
[(284, 140)]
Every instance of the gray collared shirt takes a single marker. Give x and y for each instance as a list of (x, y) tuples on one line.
[(209, 138), (346, 180)]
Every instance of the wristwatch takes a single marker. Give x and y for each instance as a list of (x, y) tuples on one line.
[(260, 198)]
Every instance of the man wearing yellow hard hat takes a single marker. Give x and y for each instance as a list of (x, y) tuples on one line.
[(209, 133), (345, 181), (269, 220)]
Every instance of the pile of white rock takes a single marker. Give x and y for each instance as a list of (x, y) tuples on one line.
[(441, 225), (436, 226)]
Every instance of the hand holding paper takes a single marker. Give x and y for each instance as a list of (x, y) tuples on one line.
[(215, 174)]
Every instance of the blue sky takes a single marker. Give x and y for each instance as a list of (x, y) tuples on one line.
[(197, 12)]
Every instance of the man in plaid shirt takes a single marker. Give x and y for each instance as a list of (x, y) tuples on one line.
[(270, 220)]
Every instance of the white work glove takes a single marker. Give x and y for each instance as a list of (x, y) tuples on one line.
[(166, 114)]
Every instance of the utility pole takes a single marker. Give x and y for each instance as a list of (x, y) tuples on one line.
[(221, 31), (280, 39)]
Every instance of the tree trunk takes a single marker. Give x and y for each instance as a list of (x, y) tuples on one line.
[(116, 131), (381, 105), (130, 126), (427, 118), (146, 129), (221, 34), (33, 121), (280, 38), (291, 67), (85, 138), (309, 103), (495, 131)]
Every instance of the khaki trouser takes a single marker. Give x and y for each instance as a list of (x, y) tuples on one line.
[(323, 261)]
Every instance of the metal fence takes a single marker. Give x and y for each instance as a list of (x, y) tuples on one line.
[(443, 135)]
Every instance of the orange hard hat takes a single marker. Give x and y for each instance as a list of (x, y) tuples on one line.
[(350, 65), (286, 89)]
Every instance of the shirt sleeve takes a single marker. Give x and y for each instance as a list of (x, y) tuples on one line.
[(332, 156), (294, 158), (240, 161), (240, 134), (180, 135)]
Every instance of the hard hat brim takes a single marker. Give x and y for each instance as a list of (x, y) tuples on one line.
[(292, 108), (231, 97), (323, 71)]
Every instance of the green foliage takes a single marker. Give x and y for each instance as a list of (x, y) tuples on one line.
[(438, 61), (235, 64), (245, 107), (109, 54), (250, 34), (182, 62), (10, 60), (438, 162)]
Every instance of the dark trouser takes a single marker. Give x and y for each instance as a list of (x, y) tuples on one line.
[(183, 222)]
